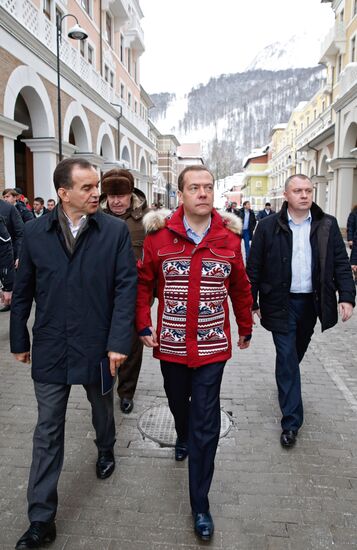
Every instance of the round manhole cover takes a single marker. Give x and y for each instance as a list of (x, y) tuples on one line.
[(157, 423)]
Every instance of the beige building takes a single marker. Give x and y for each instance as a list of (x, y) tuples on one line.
[(320, 138), (104, 109)]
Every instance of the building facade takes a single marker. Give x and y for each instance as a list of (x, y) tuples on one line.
[(98, 103)]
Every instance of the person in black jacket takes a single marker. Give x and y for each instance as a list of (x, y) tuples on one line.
[(249, 222), (79, 266), (352, 225), (6, 265), (297, 262), (267, 211), (15, 226), (13, 197)]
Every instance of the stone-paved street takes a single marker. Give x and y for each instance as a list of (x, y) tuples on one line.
[(262, 497)]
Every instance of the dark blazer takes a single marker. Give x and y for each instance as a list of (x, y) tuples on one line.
[(14, 224), (25, 213), (251, 223), (269, 268), (6, 258), (263, 214), (352, 225), (84, 303), (353, 257)]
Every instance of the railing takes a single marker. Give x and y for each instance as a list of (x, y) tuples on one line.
[(348, 78), (35, 21), (323, 121)]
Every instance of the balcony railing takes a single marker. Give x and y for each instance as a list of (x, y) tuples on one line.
[(34, 20), (323, 121), (348, 78), (335, 42)]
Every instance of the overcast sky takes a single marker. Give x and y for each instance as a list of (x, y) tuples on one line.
[(188, 41)]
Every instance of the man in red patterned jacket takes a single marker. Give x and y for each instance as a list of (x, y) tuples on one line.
[(194, 259)]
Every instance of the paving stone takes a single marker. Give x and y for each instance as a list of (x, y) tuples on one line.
[(262, 497)]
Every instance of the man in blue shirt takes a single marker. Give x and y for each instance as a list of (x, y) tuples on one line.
[(249, 222), (297, 261)]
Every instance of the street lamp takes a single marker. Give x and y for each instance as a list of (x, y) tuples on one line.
[(76, 33), (168, 185), (120, 109)]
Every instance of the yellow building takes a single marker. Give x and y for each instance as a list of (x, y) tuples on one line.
[(255, 181)]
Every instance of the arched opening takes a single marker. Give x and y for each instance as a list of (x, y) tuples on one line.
[(23, 155), (77, 135), (125, 155)]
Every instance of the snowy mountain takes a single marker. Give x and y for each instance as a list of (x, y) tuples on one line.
[(299, 51), (234, 113)]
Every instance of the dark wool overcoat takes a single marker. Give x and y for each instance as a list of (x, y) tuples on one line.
[(84, 302), (269, 268)]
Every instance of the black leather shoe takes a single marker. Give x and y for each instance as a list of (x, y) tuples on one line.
[(181, 450), (38, 533), (288, 438), (126, 405), (204, 526), (105, 464)]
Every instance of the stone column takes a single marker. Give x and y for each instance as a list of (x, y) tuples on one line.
[(45, 152), (10, 129), (343, 168), (321, 186)]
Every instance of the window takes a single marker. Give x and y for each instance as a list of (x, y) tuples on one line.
[(258, 183), (86, 5), (323, 105), (339, 67), (122, 91), (121, 48), (129, 99), (47, 8), (129, 60), (106, 73), (354, 8), (90, 54), (112, 79), (108, 27), (135, 71), (81, 47), (136, 106), (342, 16), (307, 121), (315, 114), (353, 49)]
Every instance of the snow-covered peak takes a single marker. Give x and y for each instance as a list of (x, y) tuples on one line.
[(299, 51)]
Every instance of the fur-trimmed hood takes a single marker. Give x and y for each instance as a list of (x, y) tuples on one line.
[(156, 219)]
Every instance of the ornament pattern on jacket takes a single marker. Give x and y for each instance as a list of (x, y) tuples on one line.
[(211, 337)]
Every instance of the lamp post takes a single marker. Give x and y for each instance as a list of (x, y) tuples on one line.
[(120, 109), (168, 179), (76, 33)]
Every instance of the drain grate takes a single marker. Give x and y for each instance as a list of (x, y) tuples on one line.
[(157, 423)]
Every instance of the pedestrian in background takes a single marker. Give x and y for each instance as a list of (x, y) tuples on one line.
[(51, 203), (267, 211), (39, 208), (249, 222), (12, 196), (297, 262), (15, 226), (352, 225), (194, 258), (78, 265), (120, 199), (7, 268)]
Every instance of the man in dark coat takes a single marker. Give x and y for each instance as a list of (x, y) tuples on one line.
[(15, 226), (6, 265), (13, 197), (78, 265), (267, 211), (249, 222), (352, 225), (120, 199), (297, 262)]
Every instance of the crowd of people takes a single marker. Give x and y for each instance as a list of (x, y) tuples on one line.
[(95, 263)]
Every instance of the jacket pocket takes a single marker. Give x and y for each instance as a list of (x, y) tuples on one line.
[(170, 249), (222, 253)]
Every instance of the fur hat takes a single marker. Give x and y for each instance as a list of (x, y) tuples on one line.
[(117, 182)]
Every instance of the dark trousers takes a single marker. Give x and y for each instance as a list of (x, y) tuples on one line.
[(246, 239), (130, 370), (290, 350), (193, 396), (48, 442)]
